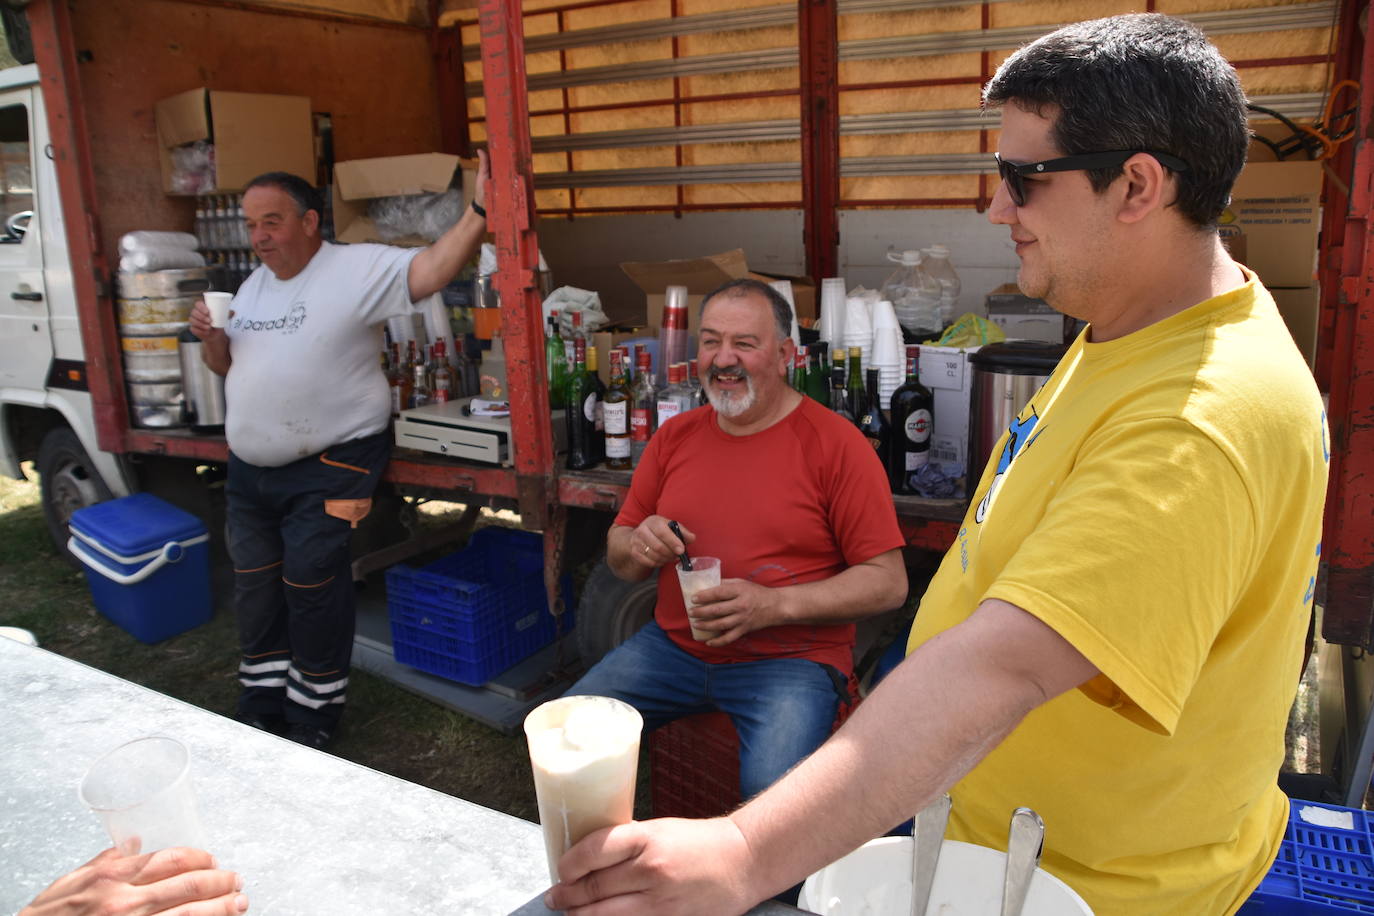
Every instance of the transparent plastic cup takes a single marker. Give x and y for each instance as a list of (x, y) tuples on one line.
[(218, 304), (141, 791), (584, 752), (705, 574)]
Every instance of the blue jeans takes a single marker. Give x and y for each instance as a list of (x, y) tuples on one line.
[(783, 708)]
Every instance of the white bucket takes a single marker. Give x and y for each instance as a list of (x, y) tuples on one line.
[(875, 880)]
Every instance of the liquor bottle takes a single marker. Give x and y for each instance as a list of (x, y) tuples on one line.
[(598, 408), (672, 334), (913, 419), (873, 424), (799, 367), (412, 359), (856, 400), (443, 375), (580, 426), (676, 397), (643, 406), (694, 382), (202, 226), (839, 398), (817, 378), (555, 364), (399, 382), (419, 388), (615, 410)]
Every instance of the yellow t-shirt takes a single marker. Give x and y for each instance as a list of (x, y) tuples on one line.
[(1158, 503)]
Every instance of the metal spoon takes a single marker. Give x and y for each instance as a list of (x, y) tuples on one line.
[(927, 836), (1025, 840), (683, 560)]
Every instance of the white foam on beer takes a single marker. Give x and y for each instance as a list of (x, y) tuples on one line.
[(590, 732)]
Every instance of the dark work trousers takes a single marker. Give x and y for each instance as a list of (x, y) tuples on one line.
[(288, 533)]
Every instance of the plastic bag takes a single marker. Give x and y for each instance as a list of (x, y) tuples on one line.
[(568, 299), (193, 168), (160, 258), (970, 331), (426, 216), (146, 239)]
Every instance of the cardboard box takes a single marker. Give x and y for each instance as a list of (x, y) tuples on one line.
[(700, 276), (357, 181), (946, 372), (1301, 309), (1277, 206), (252, 133), (1022, 317)]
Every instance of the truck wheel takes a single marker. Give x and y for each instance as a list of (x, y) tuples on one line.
[(611, 611), (67, 481)]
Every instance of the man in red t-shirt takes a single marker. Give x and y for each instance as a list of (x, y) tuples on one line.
[(794, 502)]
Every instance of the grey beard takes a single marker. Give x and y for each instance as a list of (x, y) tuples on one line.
[(732, 406)]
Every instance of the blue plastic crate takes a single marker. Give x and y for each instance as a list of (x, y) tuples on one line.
[(1319, 869), (473, 614)]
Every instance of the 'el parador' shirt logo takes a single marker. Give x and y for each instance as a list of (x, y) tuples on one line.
[(289, 323)]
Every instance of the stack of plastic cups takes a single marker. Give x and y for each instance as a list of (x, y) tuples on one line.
[(858, 328), (832, 311), (784, 288), (887, 350), (672, 335)]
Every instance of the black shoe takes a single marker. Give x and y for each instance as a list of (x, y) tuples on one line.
[(272, 724), (309, 735)]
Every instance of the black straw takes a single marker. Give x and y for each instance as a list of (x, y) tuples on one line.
[(682, 559)]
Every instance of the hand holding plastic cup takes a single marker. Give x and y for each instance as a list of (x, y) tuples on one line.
[(705, 573), (141, 791), (218, 304), (584, 751)]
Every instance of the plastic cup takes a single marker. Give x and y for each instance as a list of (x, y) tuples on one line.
[(705, 574), (218, 304), (584, 752), (141, 791)]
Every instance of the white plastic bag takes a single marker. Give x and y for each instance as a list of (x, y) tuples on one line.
[(148, 239)]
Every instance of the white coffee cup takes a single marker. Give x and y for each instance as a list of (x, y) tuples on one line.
[(218, 304)]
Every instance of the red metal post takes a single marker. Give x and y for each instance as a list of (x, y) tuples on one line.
[(818, 35), (50, 24), (1348, 538), (511, 218)]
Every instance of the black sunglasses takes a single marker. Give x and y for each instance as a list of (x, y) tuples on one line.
[(1014, 174)]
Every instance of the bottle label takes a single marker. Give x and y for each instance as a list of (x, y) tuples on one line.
[(639, 424), (667, 410), (441, 395), (617, 447), (917, 460), (396, 399), (589, 409), (617, 418), (917, 426)]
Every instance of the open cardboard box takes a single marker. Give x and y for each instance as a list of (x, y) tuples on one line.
[(1276, 207), (700, 276), (356, 181), (252, 133)]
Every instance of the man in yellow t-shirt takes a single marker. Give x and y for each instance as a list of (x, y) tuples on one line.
[(1116, 636)]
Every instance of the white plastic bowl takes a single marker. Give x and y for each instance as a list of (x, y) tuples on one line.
[(875, 880)]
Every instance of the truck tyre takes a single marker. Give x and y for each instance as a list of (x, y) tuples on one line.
[(67, 481), (611, 611)]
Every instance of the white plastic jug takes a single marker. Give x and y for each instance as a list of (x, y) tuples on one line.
[(914, 294), (937, 264)]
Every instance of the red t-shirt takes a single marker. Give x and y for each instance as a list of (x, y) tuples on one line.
[(798, 502)]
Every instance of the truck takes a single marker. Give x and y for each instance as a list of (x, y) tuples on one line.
[(80, 150)]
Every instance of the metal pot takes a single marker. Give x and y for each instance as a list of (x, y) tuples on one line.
[(1005, 377), (202, 388)]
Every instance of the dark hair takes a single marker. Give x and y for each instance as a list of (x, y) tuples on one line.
[(738, 289), (299, 190), (1137, 82)]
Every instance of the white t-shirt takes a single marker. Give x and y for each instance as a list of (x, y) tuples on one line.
[(305, 373)]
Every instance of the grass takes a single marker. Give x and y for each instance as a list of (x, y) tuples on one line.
[(385, 728)]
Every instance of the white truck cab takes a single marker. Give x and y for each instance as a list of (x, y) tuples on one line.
[(45, 408)]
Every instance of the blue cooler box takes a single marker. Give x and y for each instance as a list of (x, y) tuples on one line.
[(148, 564)]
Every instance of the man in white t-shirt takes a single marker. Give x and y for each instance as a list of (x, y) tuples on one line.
[(307, 412)]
